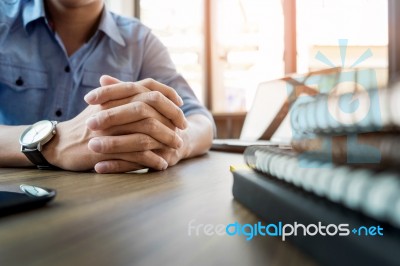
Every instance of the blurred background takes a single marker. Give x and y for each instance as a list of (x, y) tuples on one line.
[(224, 48)]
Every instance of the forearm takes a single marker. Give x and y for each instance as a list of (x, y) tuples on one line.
[(198, 136), (10, 152)]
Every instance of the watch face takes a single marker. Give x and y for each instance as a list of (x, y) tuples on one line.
[(36, 133)]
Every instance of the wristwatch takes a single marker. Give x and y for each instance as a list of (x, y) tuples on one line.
[(33, 139)]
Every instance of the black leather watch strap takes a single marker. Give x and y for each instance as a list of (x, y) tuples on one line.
[(37, 158)]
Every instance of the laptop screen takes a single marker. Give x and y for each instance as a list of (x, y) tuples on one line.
[(267, 102)]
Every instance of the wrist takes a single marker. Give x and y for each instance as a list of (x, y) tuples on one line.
[(198, 135), (187, 146), (50, 150), (68, 148)]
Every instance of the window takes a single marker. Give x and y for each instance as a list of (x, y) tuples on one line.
[(179, 25), (123, 7), (224, 48), (246, 43), (360, 25), (248, 49)]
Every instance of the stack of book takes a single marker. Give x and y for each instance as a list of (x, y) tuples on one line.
[(342, 167)]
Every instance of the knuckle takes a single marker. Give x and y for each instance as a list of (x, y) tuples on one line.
[(153, 160), (112, 167), (147, 155), (167, 157), (127, 86), (140, 109), (172, 157), (151, 124), (104, 92), (145, 142), (149, 81), (116, 166), (112, 142), (108, 144), (130, 86), (104, 145), (155, 96), (107, 116), (174, 138)]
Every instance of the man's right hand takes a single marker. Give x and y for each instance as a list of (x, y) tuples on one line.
[(138, 118)]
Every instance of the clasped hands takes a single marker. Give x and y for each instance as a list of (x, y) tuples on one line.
[(127, 126)]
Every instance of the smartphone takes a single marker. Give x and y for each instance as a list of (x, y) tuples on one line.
[(30, 197)]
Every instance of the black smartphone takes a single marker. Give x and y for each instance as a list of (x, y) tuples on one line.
[(30, 197)]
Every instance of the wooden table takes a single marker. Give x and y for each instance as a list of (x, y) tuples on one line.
[(136, 219)]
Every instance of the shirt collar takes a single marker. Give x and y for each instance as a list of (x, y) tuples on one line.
[(109, 26), (34, 10)]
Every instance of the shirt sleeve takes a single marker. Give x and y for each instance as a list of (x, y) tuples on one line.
[(157, 64)]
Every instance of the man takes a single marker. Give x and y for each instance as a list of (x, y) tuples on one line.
[(53, 53)]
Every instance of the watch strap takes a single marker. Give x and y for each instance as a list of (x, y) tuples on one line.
[(37, 158)]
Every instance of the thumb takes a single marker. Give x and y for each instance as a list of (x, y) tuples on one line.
[(106, 80)]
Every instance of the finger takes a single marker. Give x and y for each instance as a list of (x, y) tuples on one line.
[(159, 102), (122, 115), (164, 106), (169, 92), (116, 166), (123, 90), (108, 80), (125, 143), (151, 127), (136, 127), (169, 154), (114, 91), (146, 158), (132, 161)]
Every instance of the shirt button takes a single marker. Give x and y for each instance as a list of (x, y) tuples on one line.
[(67, 69), (19, 81), (58, 113)]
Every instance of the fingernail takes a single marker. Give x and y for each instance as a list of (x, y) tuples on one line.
[(101, 167), (91, 96), (180, 101), (164, 165), (185, 124), (92, 123), (95, 145)]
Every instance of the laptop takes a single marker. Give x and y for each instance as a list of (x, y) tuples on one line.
[(267, 122)]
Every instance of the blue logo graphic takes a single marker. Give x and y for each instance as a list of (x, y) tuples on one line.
[(345, 102), (348, 104)]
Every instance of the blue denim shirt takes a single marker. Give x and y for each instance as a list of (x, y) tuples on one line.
[(39, 81)]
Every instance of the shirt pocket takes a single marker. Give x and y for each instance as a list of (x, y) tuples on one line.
[(23, 94), (21, 79)]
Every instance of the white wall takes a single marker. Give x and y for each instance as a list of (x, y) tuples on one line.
[(123, 7)]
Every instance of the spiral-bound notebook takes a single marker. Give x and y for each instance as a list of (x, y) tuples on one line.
[(283, 186), (343, 172)]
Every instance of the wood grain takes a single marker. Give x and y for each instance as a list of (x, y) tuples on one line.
[(136, 219)]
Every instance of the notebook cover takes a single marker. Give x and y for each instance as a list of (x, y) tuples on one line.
[(276, 201)]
